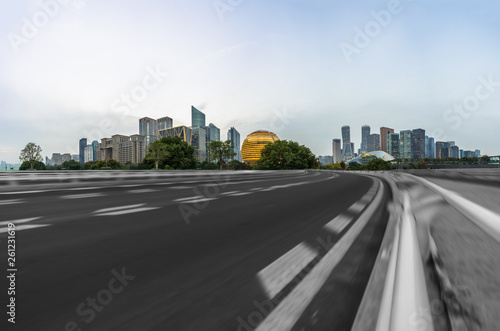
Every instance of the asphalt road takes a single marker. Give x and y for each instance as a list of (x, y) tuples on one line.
[(185, 253)]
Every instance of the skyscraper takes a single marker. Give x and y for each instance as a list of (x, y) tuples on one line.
[(373, 143), (478, 153), (199, 143), (234, 136), (430, 147), (405, 144), (442, 150), (393, 145), (454, 152), (83, 144), (165, 123), (336, 150), (346, 143), (365, 132), (148, 127), (197, 117), (94, 150), (383, 137), (418, 144), (181, 131)]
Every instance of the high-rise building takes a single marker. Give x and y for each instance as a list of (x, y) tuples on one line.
[(181, 131), (65, 157), (347, 151), (234, 136), (75, 157), (56, 159), (88, 154), (197, 117), (373, 143), (199, 143), (430, 148), (442, 150), (83, 144), (94, 150), (383, 137), (326, 159), (454, 152), (104, 150), (405, 144), (451, 143), (393, 145), (165, 123), (132, 150), (148, 128), (469, 154), (336, 150), (418, 144), (365, 132), (478, 153), (461, 153), (47, 162)]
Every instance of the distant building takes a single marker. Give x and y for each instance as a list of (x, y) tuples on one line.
[(197, 118), (430, 148), (83, 144), (254, 143), (373, 142), (337, 151), (199, 144), (478, 153), (212, 134), (165, 123), (124, 149), (94, 150), (56, 159), (88, 154), (461, 153), (442, 150), (347, 149), (365, 132), (66, 157), (234, 136), (418, 144), (47, 162), (148, 128), (75, 157), (454, 152), (181, 131), (405, 142), (327, 159), (469, 154), (383, 137), (393, 145)]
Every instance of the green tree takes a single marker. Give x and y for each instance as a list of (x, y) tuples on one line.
[(38, 165), (378, 164), (157, 151), (70, 165), (220, 150), (342, 164), (485, 159), (355, 166), (180, 155), (105, 164), (237, 165), (206, 165), (283, 154), (31, 154)]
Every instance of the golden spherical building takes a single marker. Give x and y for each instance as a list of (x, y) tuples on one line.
[(254, 143)]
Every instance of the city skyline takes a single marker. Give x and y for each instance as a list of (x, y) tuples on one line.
[(90, 72)]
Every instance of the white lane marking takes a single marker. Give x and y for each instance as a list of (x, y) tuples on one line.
[(188, 198), (357, 207), (24, 192), (338, 224), (199, 200), (181, 187), (81, 196), (127, 211), (83, 188), (145, 190), (240, 193), (129, 185), (256, 189), (118, 208), (228, 193), (25, 227), (11, 202), (286, 314), (23, 220), (278, 274)]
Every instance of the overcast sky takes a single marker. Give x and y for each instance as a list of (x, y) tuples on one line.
[(303, 68)]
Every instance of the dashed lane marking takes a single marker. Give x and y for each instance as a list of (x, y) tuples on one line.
[(145, 190), (278, 274), (23, 220), (123, 210), (82, 196), (11, 202), (25, 227), (240, 193)]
